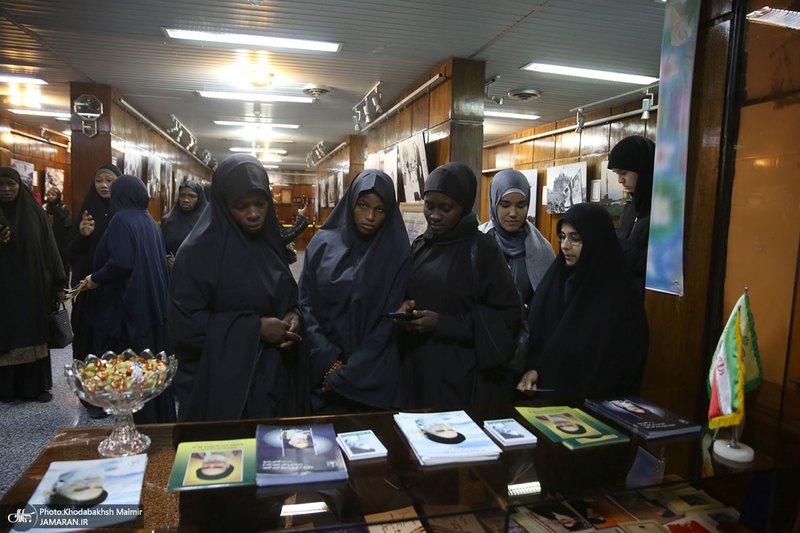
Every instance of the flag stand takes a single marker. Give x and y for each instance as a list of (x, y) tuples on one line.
[(733, 450)]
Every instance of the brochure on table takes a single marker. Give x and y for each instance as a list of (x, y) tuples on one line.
[(211, 464), (306, 453)]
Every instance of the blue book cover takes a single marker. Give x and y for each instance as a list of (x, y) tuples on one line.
[(297, 454)]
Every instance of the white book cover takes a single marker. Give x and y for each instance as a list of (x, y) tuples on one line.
[(447, 437), (509, 432), (361, 445)]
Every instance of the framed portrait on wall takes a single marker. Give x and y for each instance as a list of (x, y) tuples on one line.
[(412, 167), (566, 186), (27, 172), (414, 219), (53, 177), (286, 196)]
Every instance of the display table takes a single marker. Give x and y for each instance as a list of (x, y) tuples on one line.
[(377, 485)]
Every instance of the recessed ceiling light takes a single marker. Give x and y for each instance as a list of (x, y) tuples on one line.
[(271, 166), (26, 80), (61, 115), (776, 17), (256, 97), (503, 114), (278, 151), (251, 41), (242, 123), (590, 73)]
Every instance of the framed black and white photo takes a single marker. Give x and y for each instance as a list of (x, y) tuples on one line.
[(53, 177), (412, 167), (566, 186), (27, 172)]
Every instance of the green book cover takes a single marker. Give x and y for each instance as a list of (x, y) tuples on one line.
[(211, 464), (571, 426)]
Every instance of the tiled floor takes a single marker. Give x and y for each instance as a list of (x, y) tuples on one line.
[(27, 427)]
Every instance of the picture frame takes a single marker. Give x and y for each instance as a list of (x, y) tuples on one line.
[(286, 196), (414, 219)]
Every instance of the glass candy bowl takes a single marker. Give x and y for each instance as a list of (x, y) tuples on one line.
[(121, 384)]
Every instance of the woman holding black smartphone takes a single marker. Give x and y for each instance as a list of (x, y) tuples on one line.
[(355, 272), (31, 277)]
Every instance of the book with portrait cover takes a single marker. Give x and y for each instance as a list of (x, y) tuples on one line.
[(288, 454), (643, 418), (358, 445), (508, 432), (211, 464), (447, 437), (572, 427)]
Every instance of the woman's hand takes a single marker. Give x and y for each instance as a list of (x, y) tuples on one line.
[(294, 326), (89, 283), (170, 261), (5, 235), (276, 331), (527, 385), (424, 321), (87, 224), (60, 296)]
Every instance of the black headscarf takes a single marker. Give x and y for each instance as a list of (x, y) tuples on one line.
[(30, 270), (637, 154), (349, 282), (130, 266), (177, 224), (222, 283), (593, 341), (80, 249), (456, 181)]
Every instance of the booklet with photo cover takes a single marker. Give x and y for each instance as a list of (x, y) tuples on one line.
[(80, 495), (555, 517), (460, 519), (447, 437), (643, 418), (508, 432), (688, 499), (645, 526), (572, 427), (361, 445), (408, 521), (644, 507), (601, 512), (305, 453), (211, 464)]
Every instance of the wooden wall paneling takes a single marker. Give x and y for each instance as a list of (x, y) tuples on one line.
[(625, 128), (594, 140), (390, 135), (523, 153), (485, 181), (441, 101), (88, 154), (677, 366), (468, 89), (404, 124), (464, 137), (544, 148), (420, 110), (356, 151), (651, 126), (568, 145), (438, 152)]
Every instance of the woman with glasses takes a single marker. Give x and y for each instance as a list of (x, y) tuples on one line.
[(589, 334)]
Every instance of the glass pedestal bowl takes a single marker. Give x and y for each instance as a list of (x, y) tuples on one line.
[(121, 385)]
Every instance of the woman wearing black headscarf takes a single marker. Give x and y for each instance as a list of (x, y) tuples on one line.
[(60, 217), (233, 315), (356, 271), (589, 333), (466, 310), (87, 230), (131, 272), (632, 159), (527, 252), (31, 275), (178, 223)]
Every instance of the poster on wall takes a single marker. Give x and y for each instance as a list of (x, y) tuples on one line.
[(339, 185), (166, 183), (412, 167), (566, 186), (133, 162), (332, 190), (533, 179), (373, 161), (154, 177), (613, 195), (53, 178), (27, 172), (665, 248), (322, 193), (389, 165)]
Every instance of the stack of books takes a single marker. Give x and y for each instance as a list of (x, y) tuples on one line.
[(508, 432), (358, 445), (643, 418), (449, 437), (287, 455), (572, 427)]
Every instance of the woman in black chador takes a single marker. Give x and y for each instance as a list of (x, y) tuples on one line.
[(87, 229), (589, 333), (60, 217), (233, 315), (356, 271), (466, 310), (178, 223), (632, 160), (130, 275), (31, 277)]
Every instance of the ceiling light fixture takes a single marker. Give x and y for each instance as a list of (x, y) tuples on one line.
[(776, 17), (278, 151), (503, 114), (647, 104), (25, 80), (256, 97), (251, 41), (368, 108), (271, 166), (61, 115), (243, 123), (590, 73), (581, 120)]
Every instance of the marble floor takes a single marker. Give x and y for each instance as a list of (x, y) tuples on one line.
[(27, 427)]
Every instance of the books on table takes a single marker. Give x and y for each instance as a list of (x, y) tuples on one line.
[(643, 418), (508, 432), (358, 445), (448, 437), (403, 520), (688, 499), (211, 464), (297, 454), (80, 495), (555, 517), (572, 427)]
